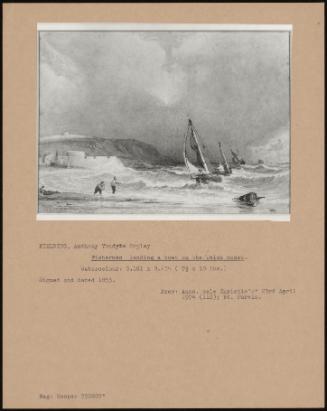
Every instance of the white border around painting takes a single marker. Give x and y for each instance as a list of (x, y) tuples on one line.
[(160, 27)]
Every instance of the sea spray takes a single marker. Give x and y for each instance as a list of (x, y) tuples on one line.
[(165, 190)]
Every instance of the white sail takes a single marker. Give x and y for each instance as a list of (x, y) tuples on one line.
[(192, 169), (191, 144), (200, 152)]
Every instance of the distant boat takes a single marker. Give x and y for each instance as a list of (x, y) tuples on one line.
[(236, 161), (198, 166)]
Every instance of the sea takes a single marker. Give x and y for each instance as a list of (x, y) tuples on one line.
[(162, 190)]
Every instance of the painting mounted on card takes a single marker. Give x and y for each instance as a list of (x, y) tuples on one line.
[(163, 121)]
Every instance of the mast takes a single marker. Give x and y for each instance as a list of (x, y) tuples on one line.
[(225, 164), (184, 153)]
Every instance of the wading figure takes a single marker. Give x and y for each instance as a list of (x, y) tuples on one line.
[(113, 184), (99, 188)]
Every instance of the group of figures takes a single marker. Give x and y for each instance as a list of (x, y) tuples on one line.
[(101, 186)]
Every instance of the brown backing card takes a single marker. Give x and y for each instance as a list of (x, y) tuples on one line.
[(127, 340)]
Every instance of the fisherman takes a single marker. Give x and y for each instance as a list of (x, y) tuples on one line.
[(114, 184), (227, 170), (99, 188), (217, 169), (198, 177)]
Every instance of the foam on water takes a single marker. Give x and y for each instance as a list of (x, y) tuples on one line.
[(170, 188)]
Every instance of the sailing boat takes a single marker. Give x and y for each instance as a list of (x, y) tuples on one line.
[(199, 168), (226, 167), (236, 161)]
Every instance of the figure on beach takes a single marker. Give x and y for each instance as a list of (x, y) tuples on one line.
[(42, 190), (114, 184), (99, 188)]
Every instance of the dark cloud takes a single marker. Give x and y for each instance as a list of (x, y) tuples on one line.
[(234, 85)]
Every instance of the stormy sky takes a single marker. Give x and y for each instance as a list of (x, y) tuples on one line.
[(145, 85)]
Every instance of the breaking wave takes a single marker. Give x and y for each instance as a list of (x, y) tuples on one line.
[(168, 184)]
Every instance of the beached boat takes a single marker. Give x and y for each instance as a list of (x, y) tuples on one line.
[(249, 199), (198, 166)]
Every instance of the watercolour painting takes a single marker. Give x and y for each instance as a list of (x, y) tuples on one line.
[(164, 121)]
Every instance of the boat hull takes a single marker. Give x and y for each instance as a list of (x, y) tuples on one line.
[(207, 178), (250, 199)]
